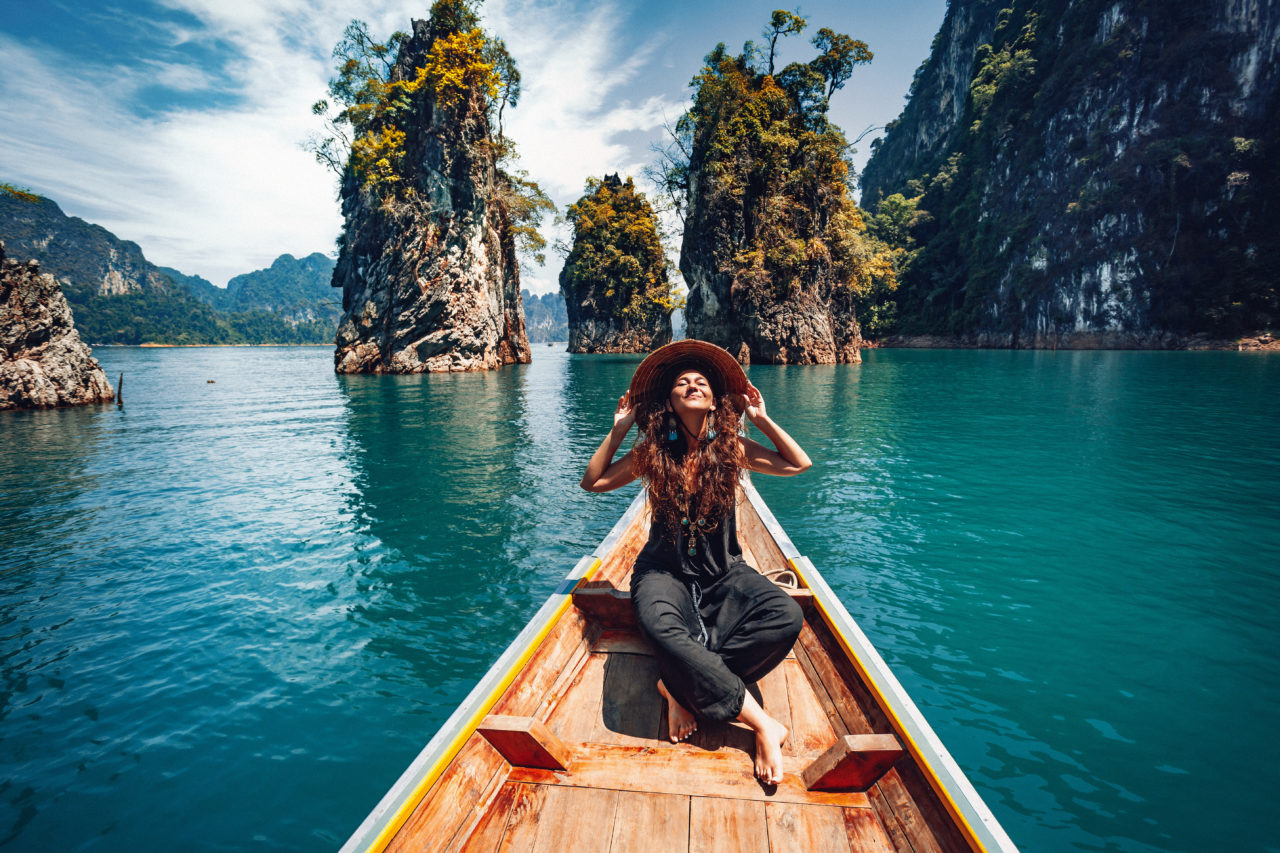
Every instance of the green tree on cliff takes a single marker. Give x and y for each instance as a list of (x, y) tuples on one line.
[(617, 252), (372, 100), (765, 150)]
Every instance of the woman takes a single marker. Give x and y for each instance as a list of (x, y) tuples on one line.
[(715, 622)]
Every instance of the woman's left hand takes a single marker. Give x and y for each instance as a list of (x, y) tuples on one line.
[(752, 403)]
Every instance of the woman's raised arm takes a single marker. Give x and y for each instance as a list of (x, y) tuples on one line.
[(787, 459), (603, 474)]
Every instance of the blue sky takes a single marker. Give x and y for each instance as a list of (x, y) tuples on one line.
[(178, 123)]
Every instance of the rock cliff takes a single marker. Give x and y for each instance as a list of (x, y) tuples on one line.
[(429, 275), (616, 290), (43, 362), (775, 253), (1096, 173)]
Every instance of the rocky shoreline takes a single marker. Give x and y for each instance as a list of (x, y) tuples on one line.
[(1259, 342), (43, 362)]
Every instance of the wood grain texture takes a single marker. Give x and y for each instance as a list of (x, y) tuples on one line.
[(682, 769), (754, 535), (917, 830), (727, 826), (838, 671), (616, 566), (452, 800), (811, 731), (806, 829), (604, 605), (854, 763), (526, 742), (931, 808), (486, 834), (892, 826), (564, 820), (865, 833), (527, 692), (648, 822), (847, 704)]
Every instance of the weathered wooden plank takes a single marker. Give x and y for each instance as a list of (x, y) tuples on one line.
[(605, 605), (727, 826), (559, 688), (526, 742), (680, 769), (838, 672), (865, 833), (616, 565), (854, 763), (486, 835), (857, 717), (811, 731), (806, 829), (526, 693), (576, 717), (647, 822), (753, 534), (931, 808), (914, 826), (560, 819), (452, 799), (819, 688), (892, 826)]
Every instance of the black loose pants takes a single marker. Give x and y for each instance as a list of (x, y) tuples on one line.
[(750, 623)]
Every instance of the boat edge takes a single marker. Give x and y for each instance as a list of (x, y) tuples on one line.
[(395, 807), (962, 800)]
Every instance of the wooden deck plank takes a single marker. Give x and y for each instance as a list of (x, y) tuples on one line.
[(646, 822), (486, 835), (452, 800), (811, 731), (892, 826), (913, 824), (931, 809), (753, 534), (820, 691), (576, 718), (866, 834), (727, 826), (559, 819), (806, 829), (616, 566), (680, 769), (525, 696), (576, 660), (847, 704)]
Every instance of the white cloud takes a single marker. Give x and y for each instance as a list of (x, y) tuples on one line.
[(223, 190)]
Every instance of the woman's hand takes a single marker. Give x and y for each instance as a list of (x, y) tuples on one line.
[(752, 403), (625, 414)]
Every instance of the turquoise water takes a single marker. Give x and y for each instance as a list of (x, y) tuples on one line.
[(232, 612)]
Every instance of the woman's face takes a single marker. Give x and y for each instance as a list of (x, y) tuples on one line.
[(692, 393)]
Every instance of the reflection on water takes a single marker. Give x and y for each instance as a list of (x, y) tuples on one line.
[(232, 613)]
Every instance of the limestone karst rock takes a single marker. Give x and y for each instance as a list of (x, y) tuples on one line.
[(429, 275), (1095, 174), (616, 290), (43, 362)]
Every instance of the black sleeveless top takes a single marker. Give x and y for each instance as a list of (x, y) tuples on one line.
[(714, 552)]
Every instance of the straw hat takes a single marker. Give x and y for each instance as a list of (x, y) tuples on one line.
[(663, 365)]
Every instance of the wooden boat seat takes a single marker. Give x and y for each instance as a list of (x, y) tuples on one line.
[(602, 602)]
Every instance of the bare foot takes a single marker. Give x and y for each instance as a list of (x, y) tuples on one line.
[(680, 723), (769, 741), (770, 736)]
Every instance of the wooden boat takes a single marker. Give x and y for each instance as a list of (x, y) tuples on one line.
[(561, 746)]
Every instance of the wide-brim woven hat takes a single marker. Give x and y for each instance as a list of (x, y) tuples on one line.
[(721, 369)]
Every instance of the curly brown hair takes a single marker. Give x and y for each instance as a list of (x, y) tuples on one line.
[(698, 483)]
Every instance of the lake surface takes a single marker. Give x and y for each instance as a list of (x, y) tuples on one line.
[(233, 611)]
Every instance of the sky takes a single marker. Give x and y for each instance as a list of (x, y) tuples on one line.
[(178, 124)]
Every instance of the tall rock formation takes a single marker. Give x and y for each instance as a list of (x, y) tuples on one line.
[(1095, 173), (43, 362), (615, 285), (427, 266), (775, 253)]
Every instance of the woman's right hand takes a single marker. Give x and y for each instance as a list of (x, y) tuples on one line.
[(625, 414)]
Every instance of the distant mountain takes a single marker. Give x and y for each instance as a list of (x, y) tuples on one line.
[(545, 317), (119, 297)]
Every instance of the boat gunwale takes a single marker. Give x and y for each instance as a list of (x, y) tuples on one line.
[(395, 807), (963, 802)]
